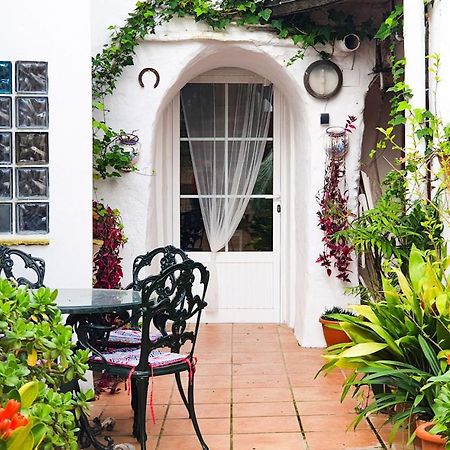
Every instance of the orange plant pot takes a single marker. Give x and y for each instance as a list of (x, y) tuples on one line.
[(429, 441), (331, 335)]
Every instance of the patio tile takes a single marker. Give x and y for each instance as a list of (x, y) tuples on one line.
[(212, 395), (255, 328), (331, 422), (123, 412), (352, 440), (124, 427), (208, 357), (214, 410), (261, 395), (259, 358), (175, 427), (212, 381), (270, 441), (315, 393), (260, 381), (203, 368), (260, 369), (263, 409), (214, 442), (242, 347), (271, 424), (324, 407), (307, 379)]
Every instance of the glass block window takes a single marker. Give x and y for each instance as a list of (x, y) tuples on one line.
[(24, 147)]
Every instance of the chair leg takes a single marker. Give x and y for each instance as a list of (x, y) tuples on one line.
[(191, 408), (134, 406), (181, 391), (141, 391)]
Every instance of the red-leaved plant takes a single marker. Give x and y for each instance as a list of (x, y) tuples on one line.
[(334, 214), (107, 263)]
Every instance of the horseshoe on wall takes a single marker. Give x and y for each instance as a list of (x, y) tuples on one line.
[(152, 70)]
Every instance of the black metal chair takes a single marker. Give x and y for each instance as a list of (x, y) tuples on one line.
[(166, 256), (169, 255), (9, 256), (168, 302)]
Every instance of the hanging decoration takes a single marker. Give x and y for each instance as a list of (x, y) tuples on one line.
[(333, 197)]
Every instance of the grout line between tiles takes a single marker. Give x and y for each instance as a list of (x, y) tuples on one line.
[(299, 420), (375, 431), (165, 416)]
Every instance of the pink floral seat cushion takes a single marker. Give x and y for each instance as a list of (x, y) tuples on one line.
[(130, 358), (129, 337)]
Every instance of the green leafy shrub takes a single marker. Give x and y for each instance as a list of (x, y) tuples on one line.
[(401, 341), (36, 346)]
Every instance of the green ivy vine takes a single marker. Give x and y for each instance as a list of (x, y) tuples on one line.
[(108, 66)]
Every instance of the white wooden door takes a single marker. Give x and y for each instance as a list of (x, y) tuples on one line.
[(245, 284)]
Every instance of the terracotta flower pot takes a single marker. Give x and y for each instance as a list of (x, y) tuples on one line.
[(429, 441), (331, 335)]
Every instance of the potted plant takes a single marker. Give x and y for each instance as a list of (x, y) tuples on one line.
[(332, 331), (401, 342), (435, 435)]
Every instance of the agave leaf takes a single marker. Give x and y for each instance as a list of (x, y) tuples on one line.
[(364, 349), (367, 312), (430, 355), (357, 333), (383, 334)]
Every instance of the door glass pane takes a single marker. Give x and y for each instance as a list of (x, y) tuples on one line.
[(264, 181), (238, 109), (255, 231), (192, 231), (187, 179), (204, 104)]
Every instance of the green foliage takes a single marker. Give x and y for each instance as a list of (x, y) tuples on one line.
[(108, 66), (37, 347), (441, 405), (329, 313), (387, 232), (392, 25), (400, 342)]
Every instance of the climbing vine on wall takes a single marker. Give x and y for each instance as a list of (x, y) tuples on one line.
[(108, 66)]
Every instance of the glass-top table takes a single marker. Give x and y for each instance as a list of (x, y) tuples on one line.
[(92, 301)]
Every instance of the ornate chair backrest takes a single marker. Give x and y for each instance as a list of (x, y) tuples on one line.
[(178, 294), (9, 256), (169, 255)]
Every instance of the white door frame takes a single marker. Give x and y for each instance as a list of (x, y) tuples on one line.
[(231, 75)]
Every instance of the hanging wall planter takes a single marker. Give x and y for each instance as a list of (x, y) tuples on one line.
[(128, 145), (336, 142)]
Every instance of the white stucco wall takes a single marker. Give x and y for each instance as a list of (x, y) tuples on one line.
[(180, 52), (440, 44), (40, 31)]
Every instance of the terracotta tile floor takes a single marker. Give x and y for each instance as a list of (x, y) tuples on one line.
[(255, 389)]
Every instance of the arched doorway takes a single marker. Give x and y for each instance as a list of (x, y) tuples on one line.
[(283, 304)]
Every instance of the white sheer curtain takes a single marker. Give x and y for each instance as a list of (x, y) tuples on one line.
[(227, 127)]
